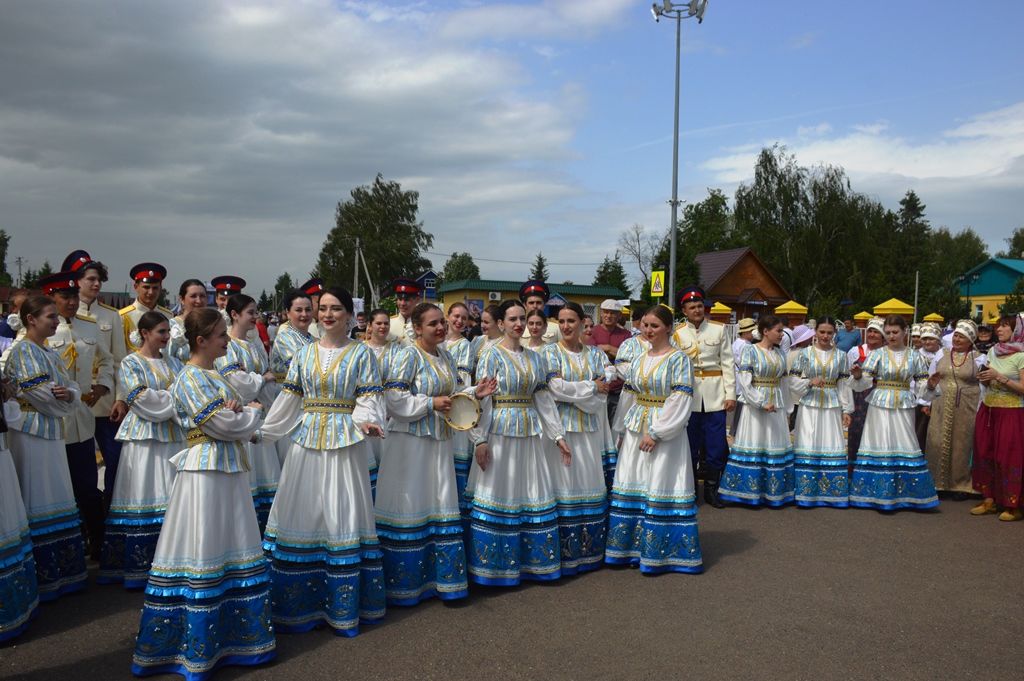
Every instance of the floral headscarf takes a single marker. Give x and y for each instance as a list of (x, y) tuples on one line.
[(1016, 343)]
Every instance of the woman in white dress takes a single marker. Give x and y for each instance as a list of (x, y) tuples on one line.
[(460, 349), (890, 472), (513, 514), (379, 329), (191, 296), (19, 590), (290, 338), (576, 379), (46, 394), (820, 380), (652, 522), (246, 367), (150, 435), (490, 333), (536, 326), (207, 601), (760, 465), (417, 508), (321, 538)]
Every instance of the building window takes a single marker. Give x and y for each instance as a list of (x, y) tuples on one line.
[(429, 283), (591, 309)]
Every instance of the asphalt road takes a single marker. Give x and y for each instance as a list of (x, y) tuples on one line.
[(795, 594)]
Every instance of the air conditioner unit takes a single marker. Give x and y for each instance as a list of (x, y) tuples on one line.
[(494, 296)]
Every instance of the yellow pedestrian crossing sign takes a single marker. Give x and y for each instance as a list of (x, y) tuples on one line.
[(658, 283)]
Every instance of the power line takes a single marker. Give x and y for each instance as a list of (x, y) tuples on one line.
[(519, 262)]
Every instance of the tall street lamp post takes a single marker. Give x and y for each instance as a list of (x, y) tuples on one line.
[(677, 11)]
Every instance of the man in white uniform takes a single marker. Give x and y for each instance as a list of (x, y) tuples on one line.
[(714, 388), (77, 342), (91, 277), (407, 296), (535, 295)]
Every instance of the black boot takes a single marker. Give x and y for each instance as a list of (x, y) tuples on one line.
[(711, 488)]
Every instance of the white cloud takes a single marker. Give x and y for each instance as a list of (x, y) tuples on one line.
[(221, 135), (530, 20), (813, 130)]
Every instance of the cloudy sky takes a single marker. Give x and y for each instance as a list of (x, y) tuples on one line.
[(217, 137)]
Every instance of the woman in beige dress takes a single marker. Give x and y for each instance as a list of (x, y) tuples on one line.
[(954, 392)]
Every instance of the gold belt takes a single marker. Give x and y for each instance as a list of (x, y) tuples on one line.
[(513, 402), (196, 436), (26, 405), (280, 377), (829, 384), (892, 385), (327, 406), (766, 382), (707, 373), (645, 400)]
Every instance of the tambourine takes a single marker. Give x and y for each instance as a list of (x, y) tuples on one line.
[(464, 413)]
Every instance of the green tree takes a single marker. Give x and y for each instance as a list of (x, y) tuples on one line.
[(706, 226), (5, 242), (282, 287), (1015, 245), (949, 255), (540, 268), (31, 277), (458, 267), (382, 220), (264, 304), (1014, 302), (611, 273)]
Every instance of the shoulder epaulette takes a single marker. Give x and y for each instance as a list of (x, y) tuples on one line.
[(161, 308), (125, 310), (86, 318), (108, 307)]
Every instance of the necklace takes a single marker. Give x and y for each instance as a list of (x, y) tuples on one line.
[(963, 360)]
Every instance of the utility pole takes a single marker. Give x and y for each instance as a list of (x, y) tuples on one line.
[(355, 272), (19, 261)]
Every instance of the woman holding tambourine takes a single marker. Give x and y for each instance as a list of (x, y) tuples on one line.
[(417, 508), (460, 348)]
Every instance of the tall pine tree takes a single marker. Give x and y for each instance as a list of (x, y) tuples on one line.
[(540, 268)]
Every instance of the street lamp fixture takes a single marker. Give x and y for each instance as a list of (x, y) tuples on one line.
[(968, 279), (677, 11)]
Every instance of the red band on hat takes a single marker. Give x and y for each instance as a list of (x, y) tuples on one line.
[(79, 264), (534, 289), (692, 295), (405, 288)]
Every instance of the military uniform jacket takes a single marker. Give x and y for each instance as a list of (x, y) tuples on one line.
[(710, 353), (402, 331), (79, 346), (130, 318), (111, 335)]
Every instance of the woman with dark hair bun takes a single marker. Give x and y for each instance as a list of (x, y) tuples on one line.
[(151, 435), (326, 560), (760, 464), (890, 472), (652, 522), (510, 496), (490, 334), (461, 351), (576, 379), (417, 508), (207, 602), (46, 394), (378, 339), (820, 379), (191, 296), (291, 337), (246, 367)]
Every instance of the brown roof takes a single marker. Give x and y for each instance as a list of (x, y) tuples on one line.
[(716, 264), (713, 266)]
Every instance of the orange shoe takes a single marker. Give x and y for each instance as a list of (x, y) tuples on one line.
[(985, 508), (1011, 514)]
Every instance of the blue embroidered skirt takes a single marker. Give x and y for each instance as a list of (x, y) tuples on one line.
[(890, 472), (760, 466)]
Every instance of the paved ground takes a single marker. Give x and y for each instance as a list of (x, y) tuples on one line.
[(794, 594)]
